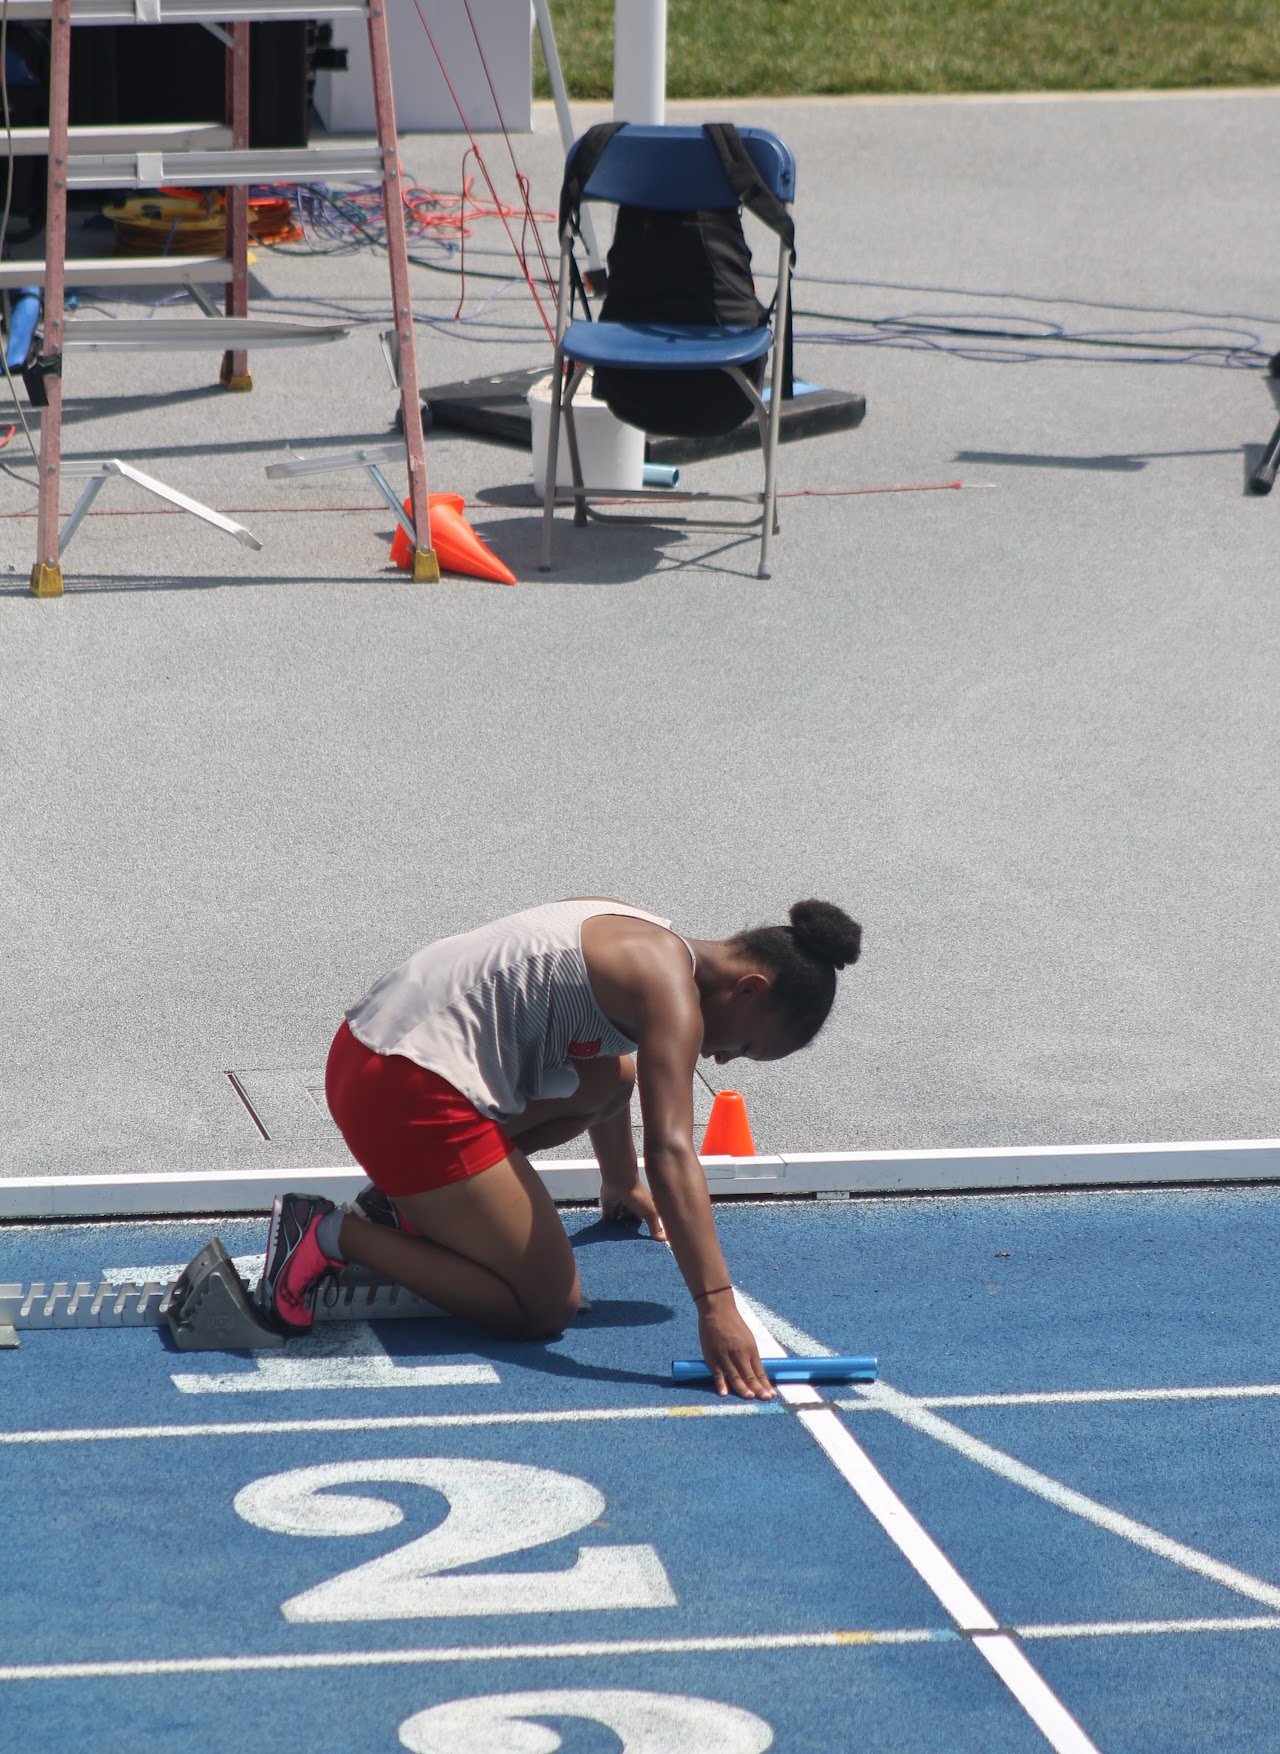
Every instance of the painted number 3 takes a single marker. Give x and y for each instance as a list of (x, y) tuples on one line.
[(494, 1508), (645, 1723)]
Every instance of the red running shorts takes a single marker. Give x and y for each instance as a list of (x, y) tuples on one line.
[(407, 1128)]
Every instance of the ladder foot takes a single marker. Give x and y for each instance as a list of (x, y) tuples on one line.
[(231, 379), (46, 581), (426, 568)]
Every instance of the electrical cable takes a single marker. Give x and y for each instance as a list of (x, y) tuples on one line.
[(339, 224), (939, 330), (1036, 298), (484, 169), (943, 333)]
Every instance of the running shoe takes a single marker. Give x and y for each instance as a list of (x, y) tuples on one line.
[(295, 1262), (380, 1208)]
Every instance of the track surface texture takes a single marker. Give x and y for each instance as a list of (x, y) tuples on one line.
[(1026, 731), (1075, 1418)]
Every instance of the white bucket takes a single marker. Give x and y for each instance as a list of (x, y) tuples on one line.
[(612, 453)]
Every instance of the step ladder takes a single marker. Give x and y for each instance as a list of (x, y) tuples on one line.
[(199, 156)]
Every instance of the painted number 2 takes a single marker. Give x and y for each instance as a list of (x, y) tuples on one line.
[(494, 1508), (645, 1723)]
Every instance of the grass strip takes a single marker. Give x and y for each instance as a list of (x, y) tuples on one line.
[(799, 48)]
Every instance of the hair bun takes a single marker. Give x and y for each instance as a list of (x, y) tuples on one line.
[(826, 932)]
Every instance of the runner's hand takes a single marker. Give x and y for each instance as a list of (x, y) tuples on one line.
[(730, 1349), (634, 1202)]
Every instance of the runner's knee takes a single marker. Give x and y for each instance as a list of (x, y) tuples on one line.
[(546, 1316)]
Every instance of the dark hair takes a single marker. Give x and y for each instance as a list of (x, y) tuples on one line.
[(803, 958)]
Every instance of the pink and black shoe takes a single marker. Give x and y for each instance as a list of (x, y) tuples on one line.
[(380, 1208), (295, 1264)]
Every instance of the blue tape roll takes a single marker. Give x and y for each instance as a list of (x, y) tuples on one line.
[(787, 1370)]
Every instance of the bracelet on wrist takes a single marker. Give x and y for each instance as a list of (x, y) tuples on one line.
[(714, 1292)]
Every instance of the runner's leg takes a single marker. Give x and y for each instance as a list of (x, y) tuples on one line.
[(492, 1248)]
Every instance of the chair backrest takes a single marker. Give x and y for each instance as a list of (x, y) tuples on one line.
[(677, 168)]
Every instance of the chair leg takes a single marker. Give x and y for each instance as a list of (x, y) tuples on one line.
[(767, 423), (575, 457), (769, 523), (549, 469), (769, 517)]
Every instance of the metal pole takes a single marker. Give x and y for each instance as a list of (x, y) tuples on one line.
[(46, 574), (426, 567), (640, 61), (551, 55), (235, 364)]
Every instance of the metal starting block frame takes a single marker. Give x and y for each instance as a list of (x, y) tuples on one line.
[(207, 1308)]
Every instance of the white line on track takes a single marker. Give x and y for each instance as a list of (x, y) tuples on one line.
[(1028, 1687), (221, 1665), (921, 1419), (1147, 1628), (389, 1422), (842, 1640), (916, 1412), (1081, 1397), (481, 1653)]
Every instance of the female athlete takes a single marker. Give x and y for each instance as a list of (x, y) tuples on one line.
[(516, 1037)]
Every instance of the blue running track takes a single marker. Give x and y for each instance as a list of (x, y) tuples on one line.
[(1049, 1524)]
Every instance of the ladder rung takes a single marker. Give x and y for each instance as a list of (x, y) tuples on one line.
[(186, 11), (147, 170), (193, 334), (124, 271), (140, 136)]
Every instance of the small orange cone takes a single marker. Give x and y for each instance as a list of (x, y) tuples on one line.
[(456, 545), (401, 547), (728, 1131)]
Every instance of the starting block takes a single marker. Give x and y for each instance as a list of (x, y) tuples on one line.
[(208, 1309)]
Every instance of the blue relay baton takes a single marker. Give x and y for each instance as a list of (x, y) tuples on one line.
[(787, 1370)]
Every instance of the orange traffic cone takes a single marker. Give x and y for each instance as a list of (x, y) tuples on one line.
[(728, 1131), (401, 547), (456, 545)]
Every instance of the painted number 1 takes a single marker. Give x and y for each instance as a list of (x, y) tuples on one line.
[(494, 1508)]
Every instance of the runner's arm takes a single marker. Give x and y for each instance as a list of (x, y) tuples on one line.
[(668, 1053)]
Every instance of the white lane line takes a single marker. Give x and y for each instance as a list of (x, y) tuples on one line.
[(775, 1331), (1066, 1498), (1084, 1397), (388, 1422), (482, 1653), (966, 1608), (106, 1670), (1147, 1628), (290, 1376), (334, 1355), (806, 1346), (1032, 1693), (916, 1413)]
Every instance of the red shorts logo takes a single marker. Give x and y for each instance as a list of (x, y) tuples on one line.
[(584, 1050)]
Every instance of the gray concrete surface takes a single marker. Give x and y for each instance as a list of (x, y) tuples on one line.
[(1026, 731)]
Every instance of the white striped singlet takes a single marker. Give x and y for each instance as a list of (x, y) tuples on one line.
[(503, 1012)]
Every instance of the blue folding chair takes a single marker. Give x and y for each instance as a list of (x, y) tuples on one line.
[(677, 169)]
